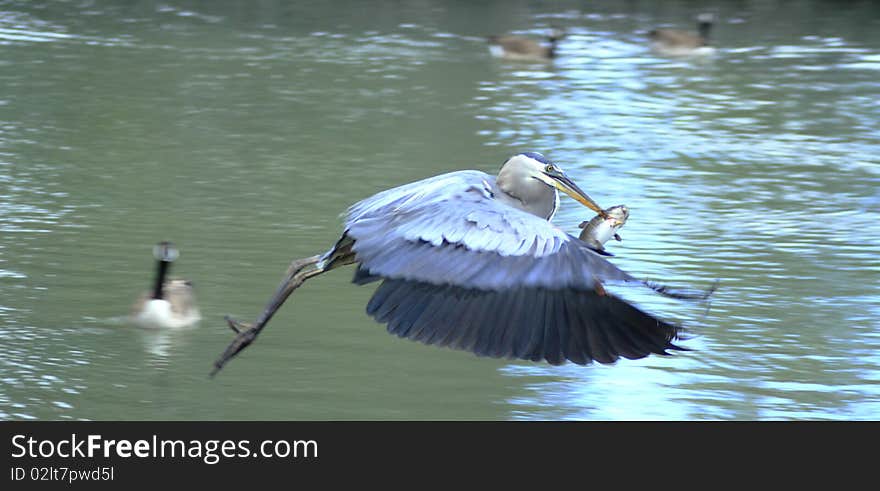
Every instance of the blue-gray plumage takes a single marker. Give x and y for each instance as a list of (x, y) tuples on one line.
[(472, 261), (459, 232)]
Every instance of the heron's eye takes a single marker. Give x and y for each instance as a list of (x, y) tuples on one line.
[(550, 169)]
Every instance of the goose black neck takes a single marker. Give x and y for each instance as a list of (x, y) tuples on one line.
[(704, 28), (161, 271), (551, 52)]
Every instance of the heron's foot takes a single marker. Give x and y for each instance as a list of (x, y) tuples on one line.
[(299, 271), (246, 334), (235, 325)]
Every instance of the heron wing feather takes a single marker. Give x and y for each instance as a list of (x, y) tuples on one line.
[(447, 230), (464, 270), (454, 209), (527, 323)]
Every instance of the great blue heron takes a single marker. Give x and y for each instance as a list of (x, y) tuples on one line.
[(472, 261), (674, 42), (171, 302), (522, 48)]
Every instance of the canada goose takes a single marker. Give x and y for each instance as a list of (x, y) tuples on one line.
[(674, 42), (521, 48), (171, 303)]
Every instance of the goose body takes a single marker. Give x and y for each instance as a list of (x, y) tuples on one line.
[(522, 48), (675, 42), (171, 303)]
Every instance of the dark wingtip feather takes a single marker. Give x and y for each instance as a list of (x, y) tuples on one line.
[(527, 323), (362, 276)]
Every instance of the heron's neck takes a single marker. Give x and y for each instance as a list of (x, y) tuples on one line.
[(161, 271), (544, 203), (555, 205)]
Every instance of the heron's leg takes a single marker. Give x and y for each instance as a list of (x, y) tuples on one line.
[(295, 268), (299, 271)]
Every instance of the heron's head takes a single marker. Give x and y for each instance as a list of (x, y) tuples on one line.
[(528, 175)]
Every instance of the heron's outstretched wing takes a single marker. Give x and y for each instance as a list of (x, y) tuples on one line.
[(526, 323), (450, 229), (458, 208), (464, 269)]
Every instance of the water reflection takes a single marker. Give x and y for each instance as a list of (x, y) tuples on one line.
[(161, 344), (766, 206)]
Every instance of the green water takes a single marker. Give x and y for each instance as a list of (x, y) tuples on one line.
[(241, 131)]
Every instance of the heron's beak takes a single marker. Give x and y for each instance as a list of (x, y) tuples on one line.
[(563, 183)]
